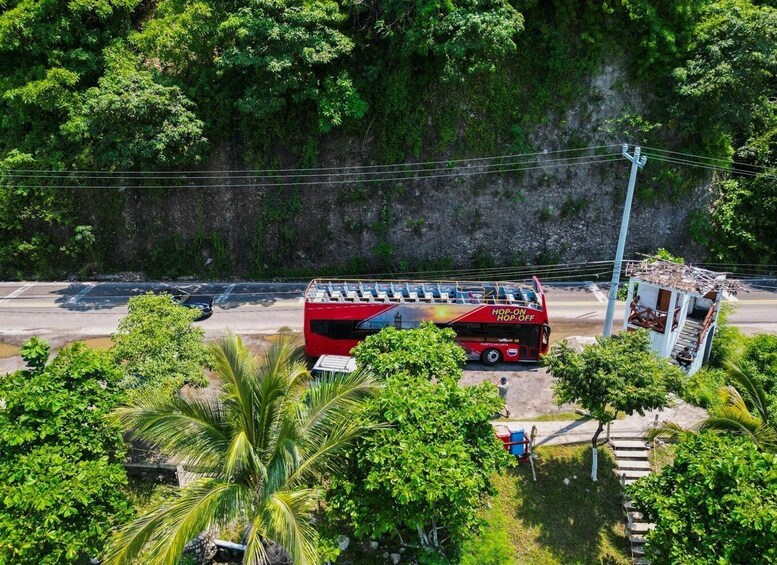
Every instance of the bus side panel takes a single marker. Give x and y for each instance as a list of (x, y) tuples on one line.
[(316, 344)]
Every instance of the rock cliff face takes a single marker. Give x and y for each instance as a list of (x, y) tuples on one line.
[(545, 214)]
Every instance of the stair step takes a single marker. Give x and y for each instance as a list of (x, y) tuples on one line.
[(637, 539), (629, 444), (636, 464), (630, 481), (641, 561), (628, 505), (633, 473), (641, 528), (638, 551), (635, 516), (635, 454)]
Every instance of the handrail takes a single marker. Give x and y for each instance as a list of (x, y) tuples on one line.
[(705, 326), (651, 318)]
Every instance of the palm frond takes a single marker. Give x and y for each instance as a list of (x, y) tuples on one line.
[(335, 394), (162, 535), (748, 383), (242, 461), (287, 522), (194, 430), (731, 419), (319, 452), (238, 371), (668, 430)]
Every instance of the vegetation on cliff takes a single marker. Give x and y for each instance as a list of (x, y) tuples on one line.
[(154, 86)]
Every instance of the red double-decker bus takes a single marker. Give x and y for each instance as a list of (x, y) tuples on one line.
[(493, 321)]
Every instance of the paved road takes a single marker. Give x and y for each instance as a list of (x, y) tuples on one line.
[(91, 309)]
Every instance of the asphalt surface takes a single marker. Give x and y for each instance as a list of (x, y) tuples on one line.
[(52, 309)]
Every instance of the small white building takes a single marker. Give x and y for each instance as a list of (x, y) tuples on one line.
[(679, 304)]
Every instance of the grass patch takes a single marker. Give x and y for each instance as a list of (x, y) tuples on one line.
[(661, 455), (8, 350), (548, 522)]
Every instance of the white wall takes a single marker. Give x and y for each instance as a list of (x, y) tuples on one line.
[(648, 295)]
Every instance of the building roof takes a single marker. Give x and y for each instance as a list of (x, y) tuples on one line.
[(686, 278)]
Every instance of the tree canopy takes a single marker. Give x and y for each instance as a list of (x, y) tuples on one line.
[(425, 468), (260, 453), (618, 374), (716, 503), (60, 474), (158, 347)]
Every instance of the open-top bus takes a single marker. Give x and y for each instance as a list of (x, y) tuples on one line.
[(493, 321)]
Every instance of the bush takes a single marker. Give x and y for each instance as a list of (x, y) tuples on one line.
[(702, 388), (726, 345)]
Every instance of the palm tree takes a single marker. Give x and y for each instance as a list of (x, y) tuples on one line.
[(744, 411), (259, 451)]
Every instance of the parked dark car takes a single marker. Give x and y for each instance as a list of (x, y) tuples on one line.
[(201, 302)]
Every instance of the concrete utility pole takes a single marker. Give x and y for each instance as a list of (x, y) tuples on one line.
[(637, 162)]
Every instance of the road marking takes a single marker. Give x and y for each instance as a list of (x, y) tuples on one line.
[(83, 292), (596, 291), (17, 292), (224, 295), (730, 297)]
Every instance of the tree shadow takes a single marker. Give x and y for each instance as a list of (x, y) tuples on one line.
[(572, 520), (81, 296)]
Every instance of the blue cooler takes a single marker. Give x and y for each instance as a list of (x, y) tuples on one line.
[(516, 434)]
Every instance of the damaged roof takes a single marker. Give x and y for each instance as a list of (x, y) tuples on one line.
[(686, 278)]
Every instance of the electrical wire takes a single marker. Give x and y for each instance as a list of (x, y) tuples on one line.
[(726, 161), (281, 175), (708, 166), (454, 174), (290, 170)]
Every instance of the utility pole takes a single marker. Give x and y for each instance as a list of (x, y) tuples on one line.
[(637, 162)]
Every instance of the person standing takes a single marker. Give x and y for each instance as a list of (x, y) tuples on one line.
[(503, 387)]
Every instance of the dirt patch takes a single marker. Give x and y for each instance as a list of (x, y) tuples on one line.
[(7, 350), (96, 343), (529, 395), (563, 329)]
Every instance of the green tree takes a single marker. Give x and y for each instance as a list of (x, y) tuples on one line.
[(423, 352), (617, 374), (158, 347), (284, 52), (426, 467), (260, 452), (731, 64), (716, 503), (466, 35), (60, 477), (129, 120)]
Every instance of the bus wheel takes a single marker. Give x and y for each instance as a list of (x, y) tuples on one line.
[(491, 357)]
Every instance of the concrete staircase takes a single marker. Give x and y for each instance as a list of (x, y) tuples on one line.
[(689, 335), (631, 457)]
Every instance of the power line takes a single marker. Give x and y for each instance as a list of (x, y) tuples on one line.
[(707, 166), (281, 175), (454, 174), (290, 170), (726, 161)]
